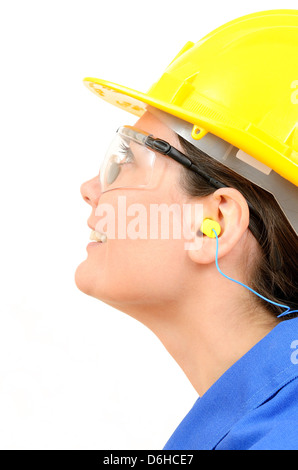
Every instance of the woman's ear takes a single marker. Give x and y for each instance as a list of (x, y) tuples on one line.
[(228, 208)]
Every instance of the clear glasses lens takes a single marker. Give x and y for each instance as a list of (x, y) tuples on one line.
[(128, 162)]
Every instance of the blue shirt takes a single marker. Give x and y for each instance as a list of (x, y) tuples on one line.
[(253, 405)]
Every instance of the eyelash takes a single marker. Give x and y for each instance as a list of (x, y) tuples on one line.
[(126, 151)]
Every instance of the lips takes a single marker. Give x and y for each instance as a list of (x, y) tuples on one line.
[(98, 236)]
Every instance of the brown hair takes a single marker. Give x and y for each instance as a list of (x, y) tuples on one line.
[(275, 271)]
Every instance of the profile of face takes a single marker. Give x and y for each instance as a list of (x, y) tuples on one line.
[(129, 273)]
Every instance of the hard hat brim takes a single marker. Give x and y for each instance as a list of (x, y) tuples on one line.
[(128, 99)]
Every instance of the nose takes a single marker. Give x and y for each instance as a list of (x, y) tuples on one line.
[(90, 191)]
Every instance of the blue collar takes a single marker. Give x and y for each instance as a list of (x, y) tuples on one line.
[(248, 383)]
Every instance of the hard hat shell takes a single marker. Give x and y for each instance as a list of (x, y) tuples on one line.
[(239, 83)]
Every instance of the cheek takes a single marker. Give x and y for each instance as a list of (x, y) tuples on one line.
[(144, 271)]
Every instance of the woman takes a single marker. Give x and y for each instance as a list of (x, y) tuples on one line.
[(219, 132)]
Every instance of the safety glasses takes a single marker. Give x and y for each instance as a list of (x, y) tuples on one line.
[(129, 161)]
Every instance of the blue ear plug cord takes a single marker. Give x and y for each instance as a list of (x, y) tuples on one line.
[(287, 312)]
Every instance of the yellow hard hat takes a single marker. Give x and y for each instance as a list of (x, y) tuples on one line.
[(239, 84)]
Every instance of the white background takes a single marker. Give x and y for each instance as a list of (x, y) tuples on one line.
[(75, 373)]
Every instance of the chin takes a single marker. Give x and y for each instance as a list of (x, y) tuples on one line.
[(83, 279), (92, 283)]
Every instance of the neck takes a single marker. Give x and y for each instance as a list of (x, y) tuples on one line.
[(207, 337), (205, 349)]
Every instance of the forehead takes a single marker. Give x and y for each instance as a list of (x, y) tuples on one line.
[(149, 123)]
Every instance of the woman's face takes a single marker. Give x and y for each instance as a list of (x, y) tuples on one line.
[(133, 271)]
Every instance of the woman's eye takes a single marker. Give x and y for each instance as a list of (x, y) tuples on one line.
[(128, 156)]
